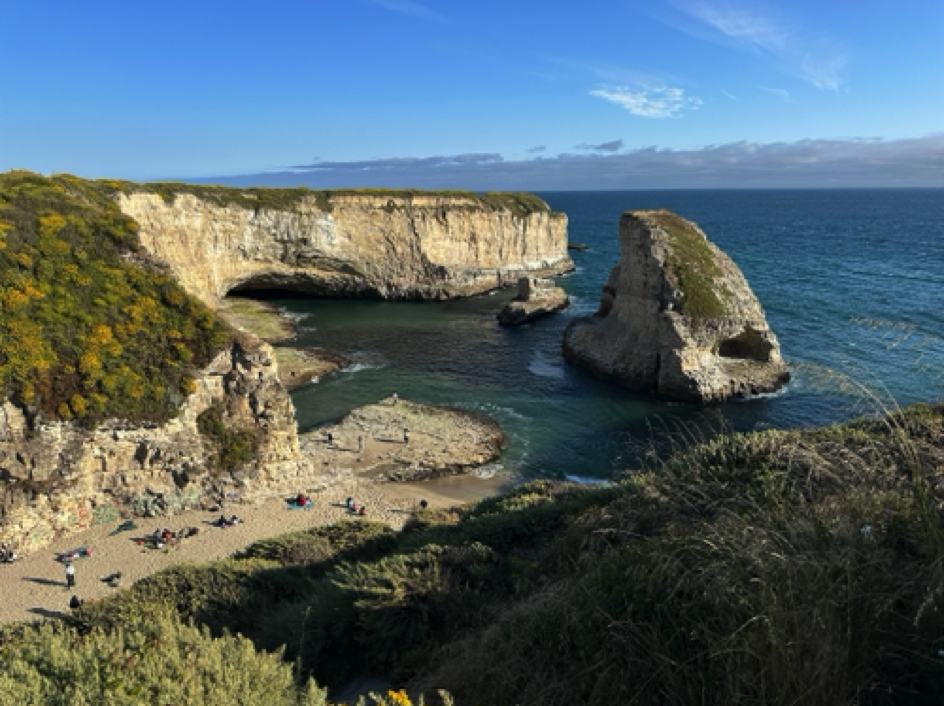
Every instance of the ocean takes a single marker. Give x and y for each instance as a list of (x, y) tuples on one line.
[(851, 282)]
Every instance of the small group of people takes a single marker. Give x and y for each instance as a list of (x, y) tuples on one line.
[(7, 554), (224, 521), (354, 508)]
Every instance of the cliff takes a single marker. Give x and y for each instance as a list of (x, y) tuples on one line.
[(393, 245), (677, 318)]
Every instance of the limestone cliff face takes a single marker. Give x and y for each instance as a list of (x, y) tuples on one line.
[(677, 318), (61, 478), (431, 246)]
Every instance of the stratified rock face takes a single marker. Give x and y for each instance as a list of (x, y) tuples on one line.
[(677, 318), (61, 478), (420, 246), (536, 298)]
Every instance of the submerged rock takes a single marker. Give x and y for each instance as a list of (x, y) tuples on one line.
[(536, 297), (677, 318)]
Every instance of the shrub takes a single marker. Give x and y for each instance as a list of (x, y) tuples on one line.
[(83, 315)]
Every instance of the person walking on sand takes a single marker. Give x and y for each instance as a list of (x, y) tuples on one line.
[(70, 575), (406, 436), (360, 444), (395, 399)]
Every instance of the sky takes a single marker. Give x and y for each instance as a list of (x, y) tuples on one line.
[(490, 94)]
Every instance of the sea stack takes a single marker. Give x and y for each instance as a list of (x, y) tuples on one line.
[(677, 318), (537, 297)]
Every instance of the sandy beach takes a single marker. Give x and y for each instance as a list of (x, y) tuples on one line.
[(34, 587)]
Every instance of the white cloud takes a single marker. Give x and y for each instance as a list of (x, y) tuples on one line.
[(661, 102), (816, 60)]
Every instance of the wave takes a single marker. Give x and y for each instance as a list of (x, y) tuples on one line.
[(489, 470), (494, 410), (363, 360), (542, 367), (584, 480), (295, 317)]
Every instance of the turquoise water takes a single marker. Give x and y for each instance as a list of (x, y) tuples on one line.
[(851, 281)]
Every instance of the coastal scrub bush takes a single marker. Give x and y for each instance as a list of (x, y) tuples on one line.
[(153, 660), (230, 448), (89, 329)]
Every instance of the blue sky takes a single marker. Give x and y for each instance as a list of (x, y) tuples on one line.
[(484, 94)]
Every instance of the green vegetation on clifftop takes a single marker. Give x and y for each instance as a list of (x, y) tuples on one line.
[(521, 204), (89, 329), (691, 266)]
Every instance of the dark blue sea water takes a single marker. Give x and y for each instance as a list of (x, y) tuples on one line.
[(852, 282)]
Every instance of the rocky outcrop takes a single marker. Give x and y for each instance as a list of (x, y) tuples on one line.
[(59, 477), (677, 318), (401, 245), (439, 441), (536, 298)]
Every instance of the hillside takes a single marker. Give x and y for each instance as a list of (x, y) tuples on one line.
[(773, 567), (90, 327)]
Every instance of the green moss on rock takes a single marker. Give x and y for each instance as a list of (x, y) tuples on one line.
[(691, 266)]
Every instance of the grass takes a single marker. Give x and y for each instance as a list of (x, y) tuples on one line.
[(520, 204), (691, 266)]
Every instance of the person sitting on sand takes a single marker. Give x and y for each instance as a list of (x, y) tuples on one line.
[(362, 511), (75, 602), (349, 503), (301, 500)]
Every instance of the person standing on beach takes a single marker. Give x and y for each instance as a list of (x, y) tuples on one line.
[(395, 399), (406, 436), (70, 575), (360, 444)]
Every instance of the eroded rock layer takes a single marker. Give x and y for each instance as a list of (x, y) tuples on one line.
[(235, 432), (677, 318), (409, 245)]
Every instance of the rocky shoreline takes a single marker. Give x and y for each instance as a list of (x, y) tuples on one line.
[(297, 366), (399, 440)]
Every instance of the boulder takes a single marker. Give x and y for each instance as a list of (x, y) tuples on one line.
[(536, 297), (677, 318)]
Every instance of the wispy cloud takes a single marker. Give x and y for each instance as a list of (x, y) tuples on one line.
[(611, 146), (781, 93), (536, 149), (649, 102), (817, 60), (408, 7), (806, 163)]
